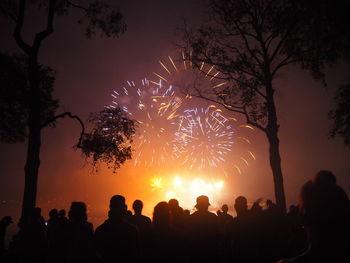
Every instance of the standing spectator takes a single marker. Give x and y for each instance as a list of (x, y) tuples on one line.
[(4, 223), (325, 212), (204, 233), (117, 240)]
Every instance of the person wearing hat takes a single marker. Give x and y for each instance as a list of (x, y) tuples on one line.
[(4, 223), (204, 232)]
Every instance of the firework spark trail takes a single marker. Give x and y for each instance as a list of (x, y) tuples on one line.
[(155, 110), (203, 138)]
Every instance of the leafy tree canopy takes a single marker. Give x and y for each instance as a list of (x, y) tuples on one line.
[(110, 138), (15, 97), (341, 114)]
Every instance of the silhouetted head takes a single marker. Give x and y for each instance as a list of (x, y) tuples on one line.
[(137, 206), (117, 206), (324, 177), (270, 204), (256, 208), (77, 212), (6, 220), (241, 205), (161, 215), (173, 204), (322, 201), (202, 203), (62, 213), (224, 208), (53, 214), (187, 212)]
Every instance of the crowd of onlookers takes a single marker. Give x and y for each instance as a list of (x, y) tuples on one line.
[(316, 230)]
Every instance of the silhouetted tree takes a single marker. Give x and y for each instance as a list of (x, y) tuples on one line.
[(341, 114), (110, 139), (322, 36), (250, 42), (14, 97), (322, 40), (244, 41), (98, 17)]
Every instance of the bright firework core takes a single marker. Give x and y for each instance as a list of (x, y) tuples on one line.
[(186, 189)]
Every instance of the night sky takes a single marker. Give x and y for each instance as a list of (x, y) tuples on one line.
[(89, 70)]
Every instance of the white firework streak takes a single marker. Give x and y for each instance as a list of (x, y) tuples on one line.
[(204, 138), (154, 106)]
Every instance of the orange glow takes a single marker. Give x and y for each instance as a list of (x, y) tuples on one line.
[(186, 188), (156, 183)]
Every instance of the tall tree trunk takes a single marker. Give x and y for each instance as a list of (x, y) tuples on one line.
[(31, 168), (274, 152), (275, 163)]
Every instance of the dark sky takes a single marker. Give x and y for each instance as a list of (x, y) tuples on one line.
[(87, 72)]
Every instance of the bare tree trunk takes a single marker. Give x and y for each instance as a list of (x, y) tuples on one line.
[(274, 153), (275, 163), (31, 168)]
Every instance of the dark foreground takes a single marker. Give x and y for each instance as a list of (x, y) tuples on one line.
[(317, 230)]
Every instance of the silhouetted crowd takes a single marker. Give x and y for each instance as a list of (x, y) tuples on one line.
[(316, 230)]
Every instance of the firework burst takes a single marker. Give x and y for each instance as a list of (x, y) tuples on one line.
[(154, 107), (205, 137)]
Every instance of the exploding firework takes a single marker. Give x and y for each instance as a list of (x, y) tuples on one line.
[(205, 136), (154, 107), (183, 76)]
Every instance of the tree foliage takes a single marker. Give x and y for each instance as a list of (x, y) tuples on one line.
[(110, 139), (97, 15), (15, 96), (244, 40), (323, 40), (321, 37), (341, 114), (249, 41)]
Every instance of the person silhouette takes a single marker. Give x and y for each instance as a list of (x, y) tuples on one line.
[(223, 216), (53, 221), (116, 240), (240, 240), (204, 232), (78, 235), (176, 214), (31, 243), (62, 215), (162, 239), (142, 222), (325, 212), (4, 223)]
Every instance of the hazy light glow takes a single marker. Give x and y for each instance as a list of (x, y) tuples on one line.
[(186, 188)]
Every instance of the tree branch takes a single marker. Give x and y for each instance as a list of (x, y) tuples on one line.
[(70, 115), (39, 37), (18, 28), (10, 15), (77, 6)]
